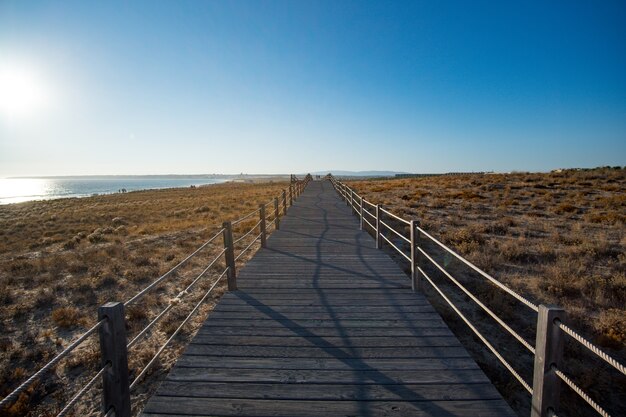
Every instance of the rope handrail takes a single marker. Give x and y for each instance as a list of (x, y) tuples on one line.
[(582, 394), (248, 247), (247, 233), (162, 348), (17, 391), (400, 235), (593, 348), (477, 301), (481, 272), (370, 224), (246, 217), (143, 292), (82, 391), (400, 219), (370, 204), (174, 301), (478, 334), (396, 248), (373, 216)]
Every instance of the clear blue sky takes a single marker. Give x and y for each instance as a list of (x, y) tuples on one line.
[(294, 86)]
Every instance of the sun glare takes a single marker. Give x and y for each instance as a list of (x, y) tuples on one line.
[(22, 92)]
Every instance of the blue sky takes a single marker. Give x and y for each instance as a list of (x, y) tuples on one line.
[(278, 87)]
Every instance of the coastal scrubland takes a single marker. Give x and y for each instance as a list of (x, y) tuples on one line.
[(61, 259), (556, 238)]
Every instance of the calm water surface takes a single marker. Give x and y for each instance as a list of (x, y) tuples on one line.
[(17, 190)]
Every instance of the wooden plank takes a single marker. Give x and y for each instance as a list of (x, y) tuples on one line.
[(324, 392), (340, 342), (323, 350), (330, 376), (345, 364), (161, 406)]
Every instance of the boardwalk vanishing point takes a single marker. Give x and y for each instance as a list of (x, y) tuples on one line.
[(324, 324)]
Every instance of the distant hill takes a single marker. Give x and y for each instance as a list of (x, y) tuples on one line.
[(360, 173)]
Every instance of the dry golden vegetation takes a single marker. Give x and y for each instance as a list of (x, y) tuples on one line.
[(61, 259), (556, 238)]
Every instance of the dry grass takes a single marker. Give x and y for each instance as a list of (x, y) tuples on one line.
[(61, 259), (557, 238)]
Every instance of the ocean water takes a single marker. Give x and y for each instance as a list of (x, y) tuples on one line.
[(17, 190)]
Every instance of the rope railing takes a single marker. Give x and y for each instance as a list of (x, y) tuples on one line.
[(244, 218), (178, 329), (247, 233), (582, 394), (11, 397), (396, 248), (71, 403), (481, 272), (243, 251), (398, 218), (489, 346), (173, 302), (593, 348), (112, 323), (157, 281), (480, 303), (548, 345), (394, 231)]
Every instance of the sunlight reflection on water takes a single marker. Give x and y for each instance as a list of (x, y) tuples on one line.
[(17, 190)]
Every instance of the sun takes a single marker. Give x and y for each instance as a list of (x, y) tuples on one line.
[(22, 92)]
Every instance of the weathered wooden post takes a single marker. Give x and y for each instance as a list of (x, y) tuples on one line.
[(352, 201), (284, 197), (290, 195), (115, 384), (379, 240), (416, 282), (262, 225), (229, 255), (361, 213), (276, 217), (548, 353)]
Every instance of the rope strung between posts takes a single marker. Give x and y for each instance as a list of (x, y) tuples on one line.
[(608, 359), (248, 247), (24, 385), (247, 233), (480, 336), (477, 301), (162, 348), (580, 392), (174, 301), (171, 271), (82, 392)]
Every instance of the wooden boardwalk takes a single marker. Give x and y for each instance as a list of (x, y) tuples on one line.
[(324, 324)]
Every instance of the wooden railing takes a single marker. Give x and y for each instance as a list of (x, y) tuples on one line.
[(548, 373), (111, 325)]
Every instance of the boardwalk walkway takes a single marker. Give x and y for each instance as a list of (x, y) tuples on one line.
[(324, 325)]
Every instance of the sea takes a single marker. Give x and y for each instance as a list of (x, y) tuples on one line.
[(18, 190)]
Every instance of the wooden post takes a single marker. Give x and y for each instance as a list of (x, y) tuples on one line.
[(262, 225), (290, 195), (276, 217), (115, 385), (548, 352), (361, 213), (229, 255), (416, 282), (379, 240), (284, 197), (352, 200)]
